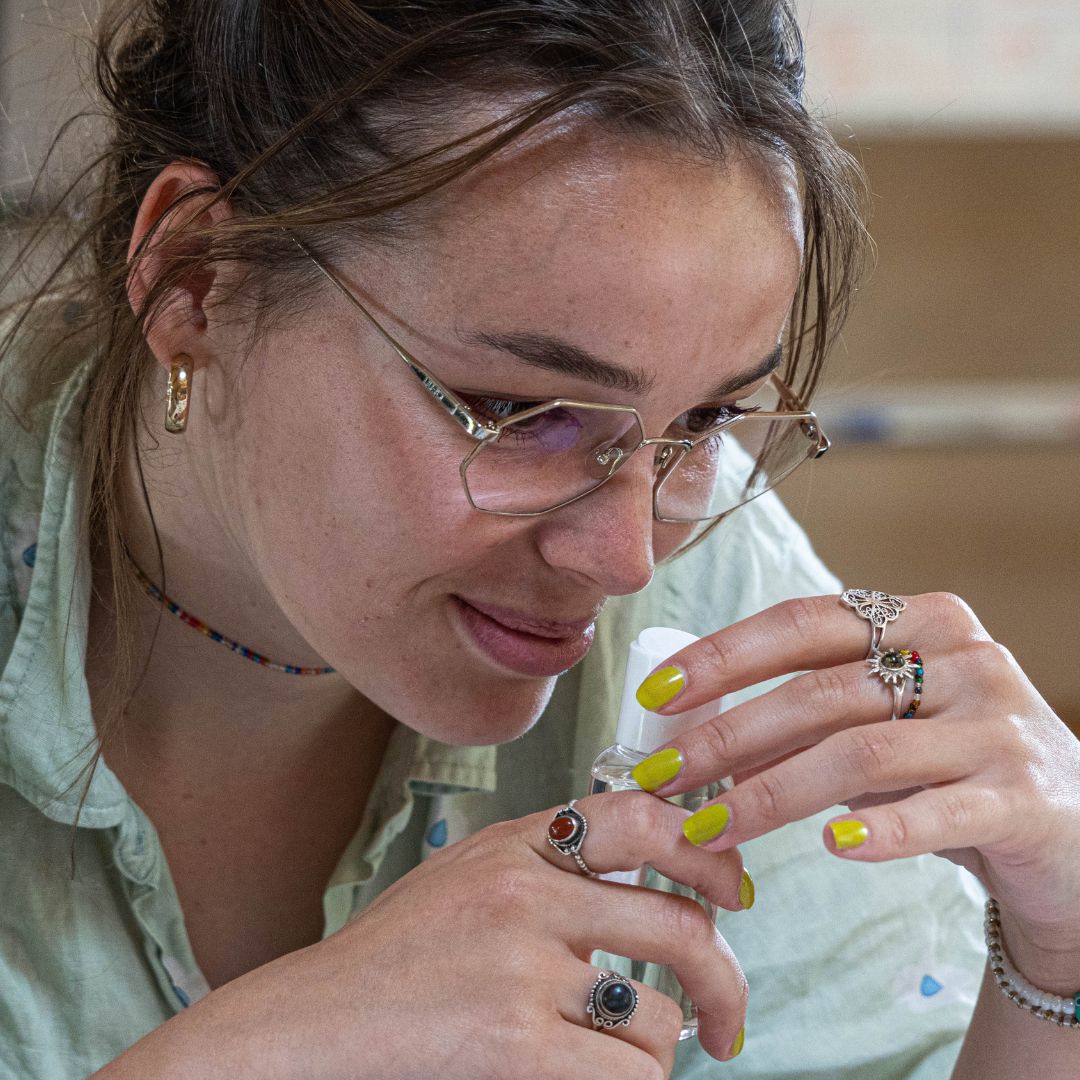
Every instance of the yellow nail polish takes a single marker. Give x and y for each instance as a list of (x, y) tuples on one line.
[(848, 834), (746, 890), (660, 687), (707, 824), (656, 771), (737, 1045)]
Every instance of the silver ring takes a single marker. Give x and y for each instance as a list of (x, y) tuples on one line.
[(612, 1000), (878, 608), (894, 666), (566, 833)]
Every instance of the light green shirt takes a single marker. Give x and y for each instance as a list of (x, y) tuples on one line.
[(855, 970)]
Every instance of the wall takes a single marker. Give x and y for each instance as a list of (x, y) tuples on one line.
[(972, 315)]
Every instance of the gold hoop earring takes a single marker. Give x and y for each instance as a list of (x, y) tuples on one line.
[(176, 407)]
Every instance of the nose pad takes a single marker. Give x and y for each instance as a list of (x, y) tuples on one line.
[(664, 454), (614, 457), (610, 459)]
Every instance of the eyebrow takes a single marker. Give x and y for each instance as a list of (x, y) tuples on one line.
[(766, 366), (555, 354)]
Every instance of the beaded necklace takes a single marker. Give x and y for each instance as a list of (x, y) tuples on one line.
[(185, 616)]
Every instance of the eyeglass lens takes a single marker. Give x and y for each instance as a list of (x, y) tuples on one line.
[(558, 454)]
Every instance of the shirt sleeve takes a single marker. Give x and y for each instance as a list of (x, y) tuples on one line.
[(856, 970)]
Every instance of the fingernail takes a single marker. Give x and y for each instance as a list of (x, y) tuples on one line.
[(660, 687), (848, 834), (656, 771), (746, 890), (737, 1045), (707, 824)]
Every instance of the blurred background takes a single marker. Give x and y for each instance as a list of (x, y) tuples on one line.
[(953, 398)]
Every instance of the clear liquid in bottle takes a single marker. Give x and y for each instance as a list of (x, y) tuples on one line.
[(611, 772)]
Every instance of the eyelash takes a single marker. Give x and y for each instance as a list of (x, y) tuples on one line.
[(496, 409)]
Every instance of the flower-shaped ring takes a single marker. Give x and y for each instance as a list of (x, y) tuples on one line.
[(894, 667)]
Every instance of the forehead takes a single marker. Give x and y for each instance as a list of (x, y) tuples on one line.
[(617, 245), (572, 193)]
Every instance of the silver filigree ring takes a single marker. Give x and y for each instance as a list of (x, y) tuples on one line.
[(878, 608), (612, 1000)]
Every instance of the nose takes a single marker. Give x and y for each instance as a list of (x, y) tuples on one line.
[(608, 536)]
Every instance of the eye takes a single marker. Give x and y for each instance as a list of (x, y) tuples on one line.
[(695, 421), (498, 408)]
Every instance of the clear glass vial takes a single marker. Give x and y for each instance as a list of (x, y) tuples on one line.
[(638, 734)]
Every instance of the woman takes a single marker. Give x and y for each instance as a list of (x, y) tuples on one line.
[(354, 242)]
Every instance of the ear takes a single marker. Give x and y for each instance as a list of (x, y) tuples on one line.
[(180, 325)]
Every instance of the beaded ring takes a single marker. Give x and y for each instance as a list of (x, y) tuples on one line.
[(916, 660)]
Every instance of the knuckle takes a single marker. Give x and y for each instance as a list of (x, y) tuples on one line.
[(954, 614), (871, 753), (1016, 750), (893, 829), (719, 653), (721, 740), (990, 660), (683, 921), (832, 690), (957, 812), (766, 796), (651, 816), (800, 616), (742, 991)]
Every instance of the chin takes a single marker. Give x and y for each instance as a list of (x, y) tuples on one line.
[(497, 717)]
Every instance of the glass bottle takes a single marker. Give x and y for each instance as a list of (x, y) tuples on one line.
[(637, 735)]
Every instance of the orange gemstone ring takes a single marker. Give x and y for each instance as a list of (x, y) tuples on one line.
[(566, 833)]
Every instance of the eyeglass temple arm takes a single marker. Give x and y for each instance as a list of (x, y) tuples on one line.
[(455, 408), (789, 397)]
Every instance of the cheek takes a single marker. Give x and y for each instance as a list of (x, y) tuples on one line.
[(385, 512), (355, 505)]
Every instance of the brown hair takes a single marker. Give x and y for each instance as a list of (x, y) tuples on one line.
[(329, 118)]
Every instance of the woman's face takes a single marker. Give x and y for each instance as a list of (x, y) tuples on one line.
[(343, 475)]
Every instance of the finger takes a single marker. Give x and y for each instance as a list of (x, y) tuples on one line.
[(808, 633), (886, 757), (939, 819), (797, 714), (654, 1027), (627, 829), (667, 930), (595, 1053)]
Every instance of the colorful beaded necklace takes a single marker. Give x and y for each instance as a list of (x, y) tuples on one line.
[(184, 616)]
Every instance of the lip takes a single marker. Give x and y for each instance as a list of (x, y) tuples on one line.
[(528, 646)]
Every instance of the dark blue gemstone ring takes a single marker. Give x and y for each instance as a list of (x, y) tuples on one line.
[(612, 1000)]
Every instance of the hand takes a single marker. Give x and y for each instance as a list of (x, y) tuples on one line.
[(475, 965), (985, 774)]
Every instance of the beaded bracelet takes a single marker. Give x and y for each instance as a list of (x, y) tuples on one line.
[(1063, 1011)]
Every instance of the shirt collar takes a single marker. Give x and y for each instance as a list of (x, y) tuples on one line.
[(46, 726)]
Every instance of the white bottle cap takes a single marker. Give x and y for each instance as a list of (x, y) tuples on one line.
[(639, 729)]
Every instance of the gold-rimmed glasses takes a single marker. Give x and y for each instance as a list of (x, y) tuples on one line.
[(552, 453)]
